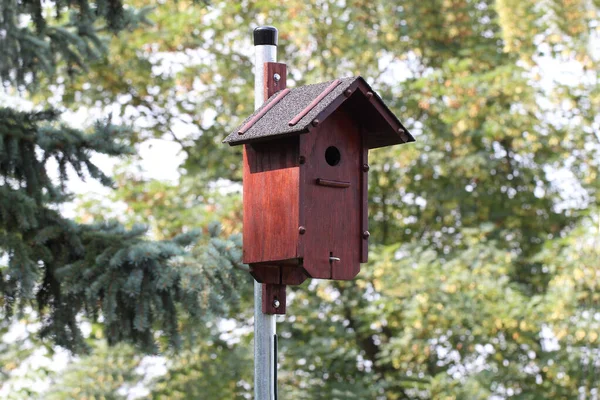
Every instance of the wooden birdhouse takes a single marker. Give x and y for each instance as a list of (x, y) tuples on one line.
[(305, 178)]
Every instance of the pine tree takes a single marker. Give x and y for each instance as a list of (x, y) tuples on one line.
[(68, 35), (62, 268)]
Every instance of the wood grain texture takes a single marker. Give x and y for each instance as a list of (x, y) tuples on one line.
[(269, 295), (280, 273), (292, 274), (332, 217), (271, 202), (266, 273), (271, 180), (332, 183), (380, 128), (271, 85), (364, 203), (271, 197), (298, 215)]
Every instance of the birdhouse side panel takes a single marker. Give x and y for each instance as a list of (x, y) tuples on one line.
[(331, 196), (364, 213), (271, 197)]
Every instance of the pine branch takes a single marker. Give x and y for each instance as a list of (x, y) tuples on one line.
[(103, 270), (49, 42)]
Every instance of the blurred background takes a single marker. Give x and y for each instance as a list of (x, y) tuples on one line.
[(483, 280)]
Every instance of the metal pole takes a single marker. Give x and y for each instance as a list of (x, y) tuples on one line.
[(265, 50)]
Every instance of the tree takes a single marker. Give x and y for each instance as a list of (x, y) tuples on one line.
[(483, 271), (62, 268), (455, 302), (105, 374)]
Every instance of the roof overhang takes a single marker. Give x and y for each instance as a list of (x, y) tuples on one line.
[(293, 112)]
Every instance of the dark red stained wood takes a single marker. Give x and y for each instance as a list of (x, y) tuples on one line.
[(364, 204), (271, 179), (332, 183), (271, 202), (337, 103), (287, 274), (313, 103), (332, 217), (266, 273), (292, 274), (272, 86), (269, 295), (383, 111), (328, 203)]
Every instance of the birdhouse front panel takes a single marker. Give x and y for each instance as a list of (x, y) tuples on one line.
[(331, 196)]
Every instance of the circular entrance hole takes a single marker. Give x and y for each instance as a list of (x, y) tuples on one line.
[(332, 156)]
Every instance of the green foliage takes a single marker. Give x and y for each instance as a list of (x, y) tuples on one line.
[(105, 374), (482, 280), (18, 345), (32, 232), (211, 370), (453, 302), (103, 271), (64, 34)]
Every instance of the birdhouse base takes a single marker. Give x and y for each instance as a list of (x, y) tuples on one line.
[(278, 274)]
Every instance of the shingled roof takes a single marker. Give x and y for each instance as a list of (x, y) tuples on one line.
[(292, 111)]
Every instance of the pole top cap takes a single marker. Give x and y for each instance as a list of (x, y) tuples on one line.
[(265, 35)]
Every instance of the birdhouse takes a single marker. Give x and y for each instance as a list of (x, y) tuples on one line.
[(305, 178)]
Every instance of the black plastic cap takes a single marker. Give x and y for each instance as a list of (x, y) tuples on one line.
[(265, 35)]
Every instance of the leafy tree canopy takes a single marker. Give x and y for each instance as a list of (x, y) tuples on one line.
[(482, 280)]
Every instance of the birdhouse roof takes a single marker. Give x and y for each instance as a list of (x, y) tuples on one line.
[(298, 110)]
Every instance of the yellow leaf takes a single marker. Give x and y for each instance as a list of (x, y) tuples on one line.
[(523, 326)]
